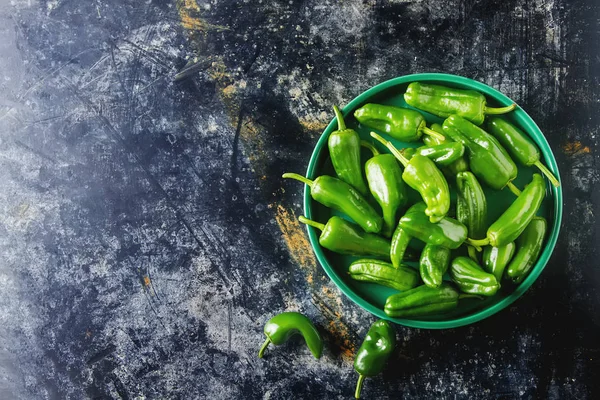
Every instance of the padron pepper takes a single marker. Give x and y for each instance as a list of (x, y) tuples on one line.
[(444, 101), (421, 174), (384, 177), (434, 264), (374, 352), (447, 232), (442, 154), (515, 219), (495, 259), (518, 145), (341, 236), (283, 326), (457, 166), (529, 245), (337, 194), (471, 278), (344, 150), (383, 273), (471, 207), (423, 301), (399, 246), (487, 158), (400, 123)]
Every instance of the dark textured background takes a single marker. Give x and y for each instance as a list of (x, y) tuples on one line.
[(145, 234)]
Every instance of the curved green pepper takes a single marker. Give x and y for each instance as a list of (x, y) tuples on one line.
[(442, 154), (398, 246), (374, 352), (471, 207), (386, 185), (375, 271), (421, 174), (344, 150), (282, 326), (434, 264), (495, 259), (448, 232), (343, 237), (516, 217), (400, 123), (471, 278), (457, 166), (444, 101), (423, 301), (487, 158), (518, 145), (529, 245), (337, 194)]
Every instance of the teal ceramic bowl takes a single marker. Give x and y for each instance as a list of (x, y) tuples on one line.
[(372, 297)]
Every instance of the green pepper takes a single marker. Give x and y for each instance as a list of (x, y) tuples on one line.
[(421, 174), (529, 245), (495, 259), (516, 217), (448, 232), (423, 301), (518, 145), (471, 278), (444, 101), (400, 123), (442, 154), (398, 246), (433, 264), (344, 150), (457, 166), (283, 326), (374, 352), (343, 237), (386, 185), (383, 273), (471, 207), (487, 158), (337, 194)]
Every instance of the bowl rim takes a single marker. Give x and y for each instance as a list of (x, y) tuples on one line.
[(533, 132)]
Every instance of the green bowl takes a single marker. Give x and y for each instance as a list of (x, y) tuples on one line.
[(372, 297)]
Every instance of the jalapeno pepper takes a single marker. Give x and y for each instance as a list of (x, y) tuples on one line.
[(529, 245), (487, 158), (495, 259), (471, 278), (516, 217), (421, 174), (374, 352), (423, 301), (444, 101), (448, 232), (400, 123), (442, 154), (283, 326), (457, 166), (337, 194), (344, 150), (343, 237), (518, 145), (399, 245), (383, 273), (434, 264), (384, 177)]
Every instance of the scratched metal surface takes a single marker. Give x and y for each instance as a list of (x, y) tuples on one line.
[(146, 235)]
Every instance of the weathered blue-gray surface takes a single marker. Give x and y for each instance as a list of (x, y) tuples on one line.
[(145, 234)]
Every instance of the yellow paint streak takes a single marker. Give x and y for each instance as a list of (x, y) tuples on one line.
[(311, 123), (294, 237), (575, 148), (339, 330), (189, 13)]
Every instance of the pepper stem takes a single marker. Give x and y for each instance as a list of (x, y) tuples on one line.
[(499, 110), (547, 172), (312, 223), (391, 148), (473, 252), (369, 146), (261, 352), (516, 191), (340, 118), (431, 132), (477, 243), (297, 177), (359, 384)]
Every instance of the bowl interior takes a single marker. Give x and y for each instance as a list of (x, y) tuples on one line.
[(372, 297)]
